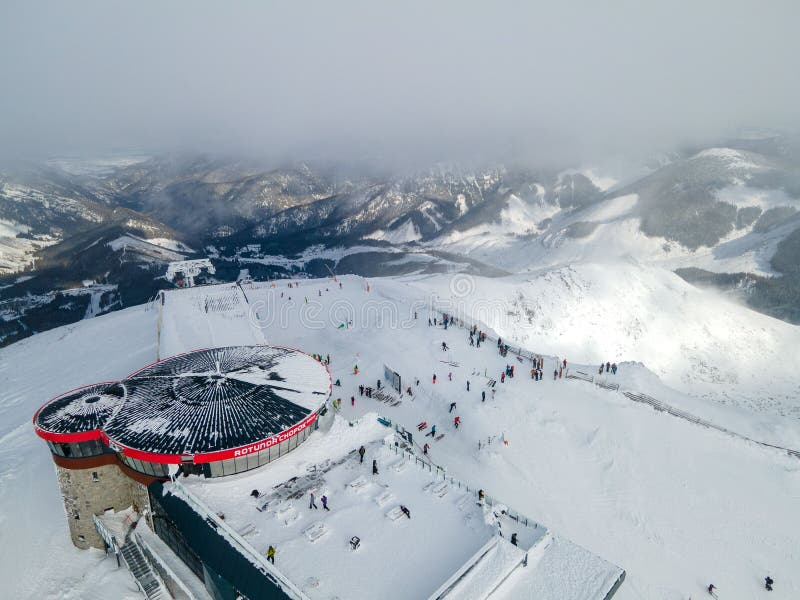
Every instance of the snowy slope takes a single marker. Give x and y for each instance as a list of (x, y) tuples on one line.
[(545, 234), (694, 340), (675, 504), (41, 562)]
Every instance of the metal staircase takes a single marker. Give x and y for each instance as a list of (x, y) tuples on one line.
[(149, 582), (146, 578)]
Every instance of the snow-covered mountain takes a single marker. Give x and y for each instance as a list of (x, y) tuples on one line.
[(724, 216)]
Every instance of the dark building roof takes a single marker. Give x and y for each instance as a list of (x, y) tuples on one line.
[(204, 404)]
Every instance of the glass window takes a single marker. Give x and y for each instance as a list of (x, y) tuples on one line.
[(263, 457), (228, 467), (252, 461), (216, 469), (284, 447)]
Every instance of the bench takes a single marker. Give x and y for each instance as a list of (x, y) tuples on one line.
[(394, 514), (358, 484), (315, 531), (384, 499)]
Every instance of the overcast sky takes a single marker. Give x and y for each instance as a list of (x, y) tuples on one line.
[(404, 79)]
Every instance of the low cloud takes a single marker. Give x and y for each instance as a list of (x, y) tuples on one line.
[(401, 81)]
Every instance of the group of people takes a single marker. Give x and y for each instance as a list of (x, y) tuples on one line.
[(326, 360), (608, 367), (366, 390), (312, 504), (475, 333)]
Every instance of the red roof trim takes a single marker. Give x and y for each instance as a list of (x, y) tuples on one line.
[(99, 434)]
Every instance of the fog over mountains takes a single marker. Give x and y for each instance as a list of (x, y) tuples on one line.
[(81, 237), (375, 139)]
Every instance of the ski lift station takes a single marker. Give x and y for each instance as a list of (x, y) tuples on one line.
[(190, 469)]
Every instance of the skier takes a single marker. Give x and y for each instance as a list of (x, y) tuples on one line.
[(432, 432), (614, 368), (425, 448), (352, 400), (338, 383), (450, 376), (452, 406), (379, 384), (361, 390), (325, 502), (457, 422), (271, 554), (355, 370), (374, 467), (514, 538), (429, 321), (502, 377), (608, 367), (467, 385), (408, 391), (601, 368), (481, 496), (555, 374), (311, 503), (405, 510), (768, 581), (560, 370), (361, 452), (483, 395), (434, 378), (711, 588), (565, 363)]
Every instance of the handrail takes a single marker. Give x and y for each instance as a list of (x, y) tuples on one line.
[(245, 547), (143, 544), (112, 542), (639, 397), (488, 500)]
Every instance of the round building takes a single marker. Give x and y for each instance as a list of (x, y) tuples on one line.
[(212, 412)]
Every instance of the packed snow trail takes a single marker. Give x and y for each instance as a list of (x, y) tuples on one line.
[(630, 394)]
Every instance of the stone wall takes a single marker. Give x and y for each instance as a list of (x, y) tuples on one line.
[(93, 490)]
